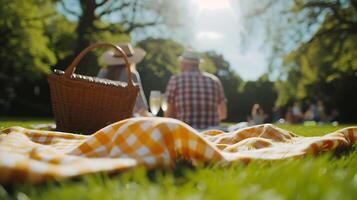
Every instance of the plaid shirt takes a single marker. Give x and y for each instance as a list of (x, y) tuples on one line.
[(195, 96)]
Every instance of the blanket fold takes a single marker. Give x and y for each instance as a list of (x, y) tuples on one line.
[(36, 156)]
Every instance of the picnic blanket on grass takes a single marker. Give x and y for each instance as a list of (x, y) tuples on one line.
[(35, 155)]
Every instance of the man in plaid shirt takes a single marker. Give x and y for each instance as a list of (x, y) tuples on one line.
[(195, 97)]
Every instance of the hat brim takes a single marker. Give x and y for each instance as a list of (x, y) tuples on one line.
[(194, 60), (109, 58)]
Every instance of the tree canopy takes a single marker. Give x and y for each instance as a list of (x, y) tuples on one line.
[(110, 17), (24, 46), (313, 48)]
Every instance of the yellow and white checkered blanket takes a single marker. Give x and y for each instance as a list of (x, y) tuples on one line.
[(35, 156)]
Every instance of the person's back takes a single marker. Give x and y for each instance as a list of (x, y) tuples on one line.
[(195, 97)]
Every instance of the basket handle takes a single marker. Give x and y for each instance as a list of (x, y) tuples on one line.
[(72, 67)]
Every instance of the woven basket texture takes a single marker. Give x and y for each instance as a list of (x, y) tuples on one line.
[(83, 104)]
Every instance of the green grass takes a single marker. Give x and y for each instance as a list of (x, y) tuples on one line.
[(328, 176), (21, 121)]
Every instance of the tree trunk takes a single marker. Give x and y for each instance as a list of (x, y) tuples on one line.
[(85, 25), (84, 30)]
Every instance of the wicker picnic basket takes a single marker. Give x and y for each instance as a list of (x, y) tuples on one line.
[(83, 104)]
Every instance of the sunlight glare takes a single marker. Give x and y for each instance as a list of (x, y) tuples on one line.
[(209, 35), (212, 4)]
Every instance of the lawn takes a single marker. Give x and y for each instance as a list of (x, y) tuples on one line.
[(327, 176)]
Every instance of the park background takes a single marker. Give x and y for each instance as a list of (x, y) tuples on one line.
[(310, 49)]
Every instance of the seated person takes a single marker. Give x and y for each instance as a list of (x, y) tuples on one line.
[(257, 115), (298, 115), (194, 96), (115, 70)]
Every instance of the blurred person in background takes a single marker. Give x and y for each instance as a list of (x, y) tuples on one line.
[(320, 112), (289, 117), (257, 115), (297, 113)]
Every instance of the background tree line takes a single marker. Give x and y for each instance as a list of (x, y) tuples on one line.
[(40, 35), (313, 47)]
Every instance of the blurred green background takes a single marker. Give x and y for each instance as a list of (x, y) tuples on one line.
[(38, 36)]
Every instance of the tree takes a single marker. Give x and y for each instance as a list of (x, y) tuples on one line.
[(24, 47), (328, 60), (24, 52), (60, 31), (131, 15), (314, 50), (45, 34), (261, 91), (159, 64), (231, 83)]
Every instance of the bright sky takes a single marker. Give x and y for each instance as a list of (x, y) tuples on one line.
[(217, 27)]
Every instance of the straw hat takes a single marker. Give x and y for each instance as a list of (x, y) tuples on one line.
[(135, 55), (190, 55)]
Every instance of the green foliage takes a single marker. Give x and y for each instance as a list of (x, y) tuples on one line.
[(231, 83), (159, 64), (114, 21), (209, 65), (43, 38), (24, 54), (324, 63), (91, 63), (60, 31), (262, 92), (24, 47), (35, 38), (104, 34), (317, 63)]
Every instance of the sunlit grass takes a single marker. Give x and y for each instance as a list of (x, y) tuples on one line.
[(313, 130), (22, 121), (327, 176)]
